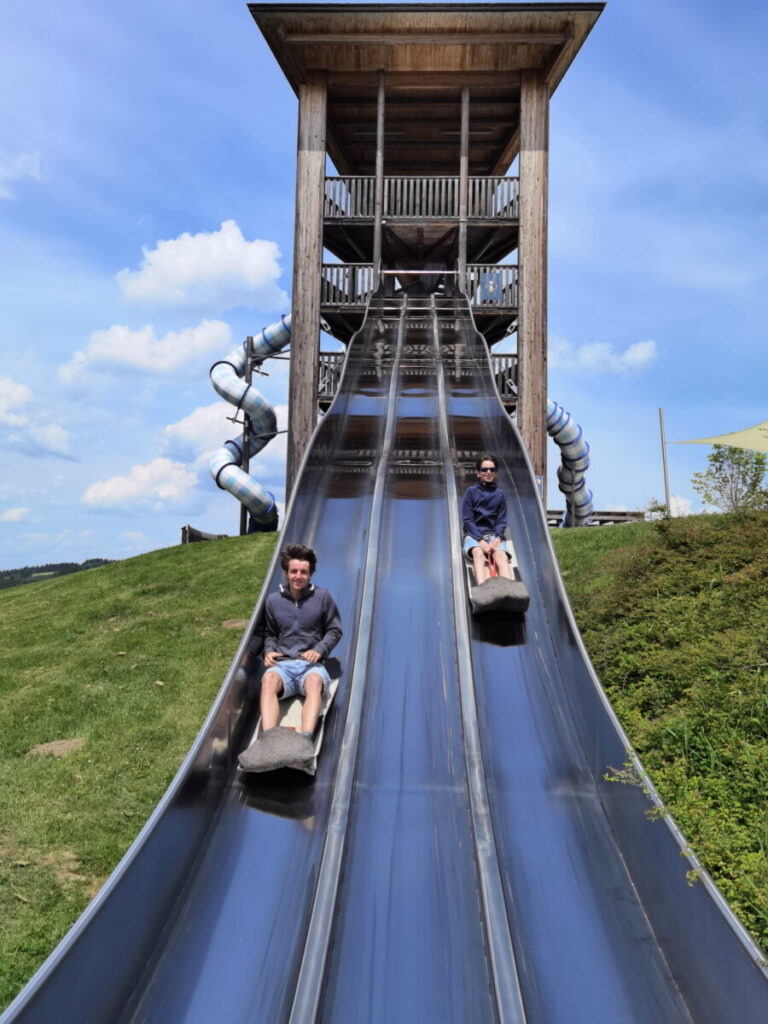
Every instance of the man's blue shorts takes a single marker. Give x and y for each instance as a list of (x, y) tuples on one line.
[(293, 672), (470, 542)]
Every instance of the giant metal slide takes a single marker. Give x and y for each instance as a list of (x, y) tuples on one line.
[(459, 856)]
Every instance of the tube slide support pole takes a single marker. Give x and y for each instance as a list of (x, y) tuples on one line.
[(247, 377)]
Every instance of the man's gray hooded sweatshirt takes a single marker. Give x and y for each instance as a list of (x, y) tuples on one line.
[(311, 623)]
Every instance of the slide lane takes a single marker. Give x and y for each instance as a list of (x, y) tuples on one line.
[(408, 940), (606, 927), (235, 949)]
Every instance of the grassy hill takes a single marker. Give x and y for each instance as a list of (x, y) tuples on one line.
[(674, 616), (124, 661)]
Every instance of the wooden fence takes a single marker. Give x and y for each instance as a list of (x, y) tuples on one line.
[(353, 197), (346, 284), (492, 284)]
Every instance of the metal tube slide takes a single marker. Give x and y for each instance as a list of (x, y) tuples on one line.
[(227, 379), (574, 452)]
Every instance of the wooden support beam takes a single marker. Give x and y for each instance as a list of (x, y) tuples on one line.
[(307, 263), (508, 154), (430, 39), (532, 331), (412, 80)]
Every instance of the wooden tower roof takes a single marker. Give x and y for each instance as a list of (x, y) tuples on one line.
[(427, 53)]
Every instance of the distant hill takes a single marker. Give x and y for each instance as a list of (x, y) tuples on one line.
[(35, 573)]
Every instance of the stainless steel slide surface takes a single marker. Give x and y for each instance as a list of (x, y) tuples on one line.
[(459, 856)]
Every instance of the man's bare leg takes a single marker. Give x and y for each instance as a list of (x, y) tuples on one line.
[(313, 702), (503, 565), (479, 564), (271, 688)]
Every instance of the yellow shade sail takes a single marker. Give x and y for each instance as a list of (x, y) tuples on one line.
[(754, 438)]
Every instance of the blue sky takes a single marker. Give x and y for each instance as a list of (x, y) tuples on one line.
[(147, 157)]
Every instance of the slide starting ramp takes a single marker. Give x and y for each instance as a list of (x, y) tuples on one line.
[(459, 855)]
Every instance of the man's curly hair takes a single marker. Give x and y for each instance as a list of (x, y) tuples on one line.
[(300, 551)]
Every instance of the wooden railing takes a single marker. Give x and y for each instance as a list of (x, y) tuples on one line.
[(329, 375), (350, 198), (416, 198), (492, 284), (331, 363), (493, 198), (505, 372), (346, 284)]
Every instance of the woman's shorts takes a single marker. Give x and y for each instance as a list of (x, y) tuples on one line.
[(470, 542), (293, 672)]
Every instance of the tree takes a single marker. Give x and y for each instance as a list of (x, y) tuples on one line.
[(734, 479)]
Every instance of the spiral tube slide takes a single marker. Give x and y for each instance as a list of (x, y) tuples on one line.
[(574, 452), (226, 462)]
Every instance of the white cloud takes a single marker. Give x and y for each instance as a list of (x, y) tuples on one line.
[(198, 435), (600, 356), (12, 394), (680, 506), (158, 485), (14, 515), (202, 432), (16, 168), (215, 269), (30, 434), (142, 350), (51, 438)]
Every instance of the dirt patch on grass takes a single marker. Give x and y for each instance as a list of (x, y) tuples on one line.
[(234, 623), (57, 748), (65, 868)]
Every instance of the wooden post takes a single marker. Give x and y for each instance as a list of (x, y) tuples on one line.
[(463, 188), (307, 268), (532, 329), (379, 194)]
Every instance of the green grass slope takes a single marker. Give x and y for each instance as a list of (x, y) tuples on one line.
[(674, 615), (124, 659)]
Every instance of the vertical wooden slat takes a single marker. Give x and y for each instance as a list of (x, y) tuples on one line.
[(463, 187), (532, 332), (307, 264)]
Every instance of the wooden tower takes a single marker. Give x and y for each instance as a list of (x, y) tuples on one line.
[(422, 109)]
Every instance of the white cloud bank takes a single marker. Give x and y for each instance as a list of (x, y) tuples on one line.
[(679, 507), (601, 357), (29, 432), (14, 515), (156, 486), (142, 350), (13, 394), (199, 434), (214, 269), (17, 168)]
